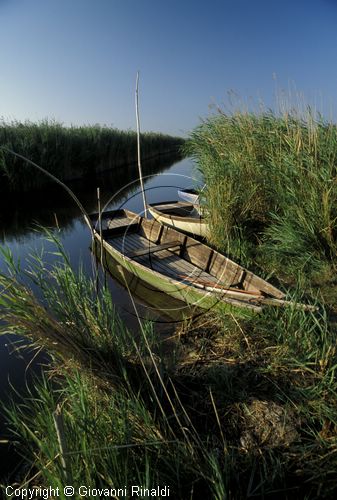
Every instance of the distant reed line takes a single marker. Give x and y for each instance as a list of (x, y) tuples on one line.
[(71, 152)]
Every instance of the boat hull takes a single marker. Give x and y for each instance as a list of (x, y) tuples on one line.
[(178, 265), (196, 226), (191, 299), (189, 195), (144, 291)]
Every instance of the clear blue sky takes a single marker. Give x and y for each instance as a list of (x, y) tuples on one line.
[(76, 60)]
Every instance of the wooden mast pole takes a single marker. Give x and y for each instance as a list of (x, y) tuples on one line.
[(138, 149)]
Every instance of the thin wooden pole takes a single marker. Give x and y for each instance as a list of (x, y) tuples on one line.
[(100, 231), (61, 438), (138, 147), (100, 223)]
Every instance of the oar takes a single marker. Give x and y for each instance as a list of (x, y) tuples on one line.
[(216, 287), (271, 301), (247, 295)]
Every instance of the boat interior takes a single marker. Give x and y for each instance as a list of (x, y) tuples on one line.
[(189, 191), (176, 208), (176, 255)]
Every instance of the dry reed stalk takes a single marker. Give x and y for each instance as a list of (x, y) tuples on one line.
[(57, 222), (61, 438), (100, 222), (138, 146)]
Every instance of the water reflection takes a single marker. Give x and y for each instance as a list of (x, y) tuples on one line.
[(54, 208)]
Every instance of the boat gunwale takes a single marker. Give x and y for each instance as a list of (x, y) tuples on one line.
[(188, 191), (194, 220), (201, 292)]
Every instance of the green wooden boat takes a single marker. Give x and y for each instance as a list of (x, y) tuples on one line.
[(178, 265)]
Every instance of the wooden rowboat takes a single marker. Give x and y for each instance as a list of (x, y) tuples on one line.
[(180, 215), (178, 265)]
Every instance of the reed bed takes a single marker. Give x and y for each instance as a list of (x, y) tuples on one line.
[(271, 187), (232, 409), (71, 152)]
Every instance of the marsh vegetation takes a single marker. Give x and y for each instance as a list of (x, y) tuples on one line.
[(272, 194), (221, 407), (71, 152)]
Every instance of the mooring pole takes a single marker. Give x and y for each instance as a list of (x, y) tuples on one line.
[(138, 148)]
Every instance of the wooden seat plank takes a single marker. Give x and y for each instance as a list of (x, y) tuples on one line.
[(115, 230), (154, 248)]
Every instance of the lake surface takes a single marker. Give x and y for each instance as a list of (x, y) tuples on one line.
[(54, 208)]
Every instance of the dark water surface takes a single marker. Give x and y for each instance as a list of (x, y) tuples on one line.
[(19, 219), (54, 208)]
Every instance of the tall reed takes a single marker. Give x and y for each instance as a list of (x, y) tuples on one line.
[(71, 152), (271, 180), (124, 424)]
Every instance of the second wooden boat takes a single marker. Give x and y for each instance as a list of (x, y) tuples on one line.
[(180, 215), (178, 265)]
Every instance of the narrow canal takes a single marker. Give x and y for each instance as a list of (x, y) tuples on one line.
[(19, 220)]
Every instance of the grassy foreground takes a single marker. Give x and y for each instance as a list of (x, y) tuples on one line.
[(222, 409), (71, 152)]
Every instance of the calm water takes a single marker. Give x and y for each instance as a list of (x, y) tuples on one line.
[(18, 229), (54, 208)]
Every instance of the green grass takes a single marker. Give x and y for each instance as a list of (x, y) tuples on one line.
[(71, 152), (124, 421), (271, 187), (228, 409)]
